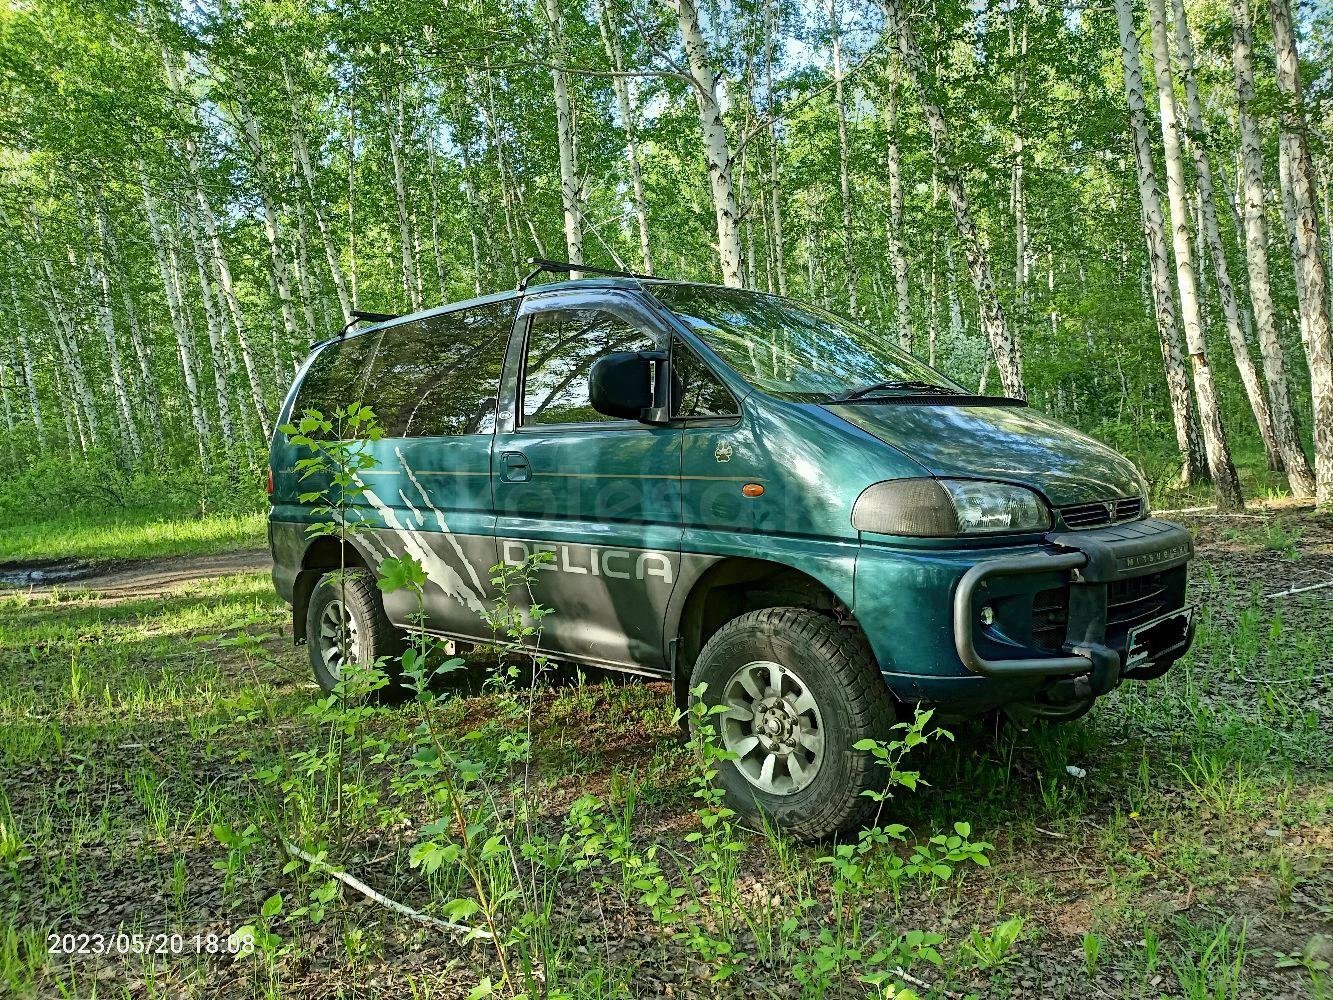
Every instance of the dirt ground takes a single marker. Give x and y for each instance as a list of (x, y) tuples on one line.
[(1181, 835), (126, 579)]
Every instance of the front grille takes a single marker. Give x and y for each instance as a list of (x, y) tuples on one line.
[(1128, 508), (1100, 513), (1129, 602)]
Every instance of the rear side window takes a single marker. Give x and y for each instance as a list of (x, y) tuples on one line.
[(439, 376), (563, 344), (337, 375)]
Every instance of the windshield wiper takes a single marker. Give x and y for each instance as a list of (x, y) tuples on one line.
[(906, 385)]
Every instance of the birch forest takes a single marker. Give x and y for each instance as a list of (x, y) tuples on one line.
[(1118, 211)]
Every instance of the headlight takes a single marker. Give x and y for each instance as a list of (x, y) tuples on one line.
[(946, 508)]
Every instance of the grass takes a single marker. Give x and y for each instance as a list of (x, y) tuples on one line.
[(154, 754), (133, 533)]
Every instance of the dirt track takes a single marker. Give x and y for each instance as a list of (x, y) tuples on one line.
[(139, 578)]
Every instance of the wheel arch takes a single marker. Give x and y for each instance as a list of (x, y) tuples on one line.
[(732, 586), (323, 555)]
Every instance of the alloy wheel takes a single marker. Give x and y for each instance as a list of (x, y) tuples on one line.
[(774, 727), (338, 635)]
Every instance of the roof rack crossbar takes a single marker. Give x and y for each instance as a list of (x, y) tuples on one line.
[(541, 264), (362, 316)]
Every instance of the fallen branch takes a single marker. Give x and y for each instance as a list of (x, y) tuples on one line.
[(1299, 590), (1186, 510), (907, 977), (383, 900)]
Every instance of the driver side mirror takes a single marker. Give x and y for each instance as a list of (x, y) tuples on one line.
[(621, 385)]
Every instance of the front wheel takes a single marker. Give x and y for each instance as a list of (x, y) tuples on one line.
[(800, 691), (346, 624)]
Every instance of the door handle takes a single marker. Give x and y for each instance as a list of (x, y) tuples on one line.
[(515, 467)]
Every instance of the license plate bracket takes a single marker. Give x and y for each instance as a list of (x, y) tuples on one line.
[(1160, 634)]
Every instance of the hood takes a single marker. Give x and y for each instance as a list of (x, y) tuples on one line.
[(1011, 443)]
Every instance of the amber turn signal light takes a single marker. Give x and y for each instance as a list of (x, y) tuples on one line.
[(752, 490)]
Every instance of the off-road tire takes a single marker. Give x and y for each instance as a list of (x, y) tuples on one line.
[(840, 671), (376, 635)]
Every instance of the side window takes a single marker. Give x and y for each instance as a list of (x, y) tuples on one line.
[(439, 376), (698, 392), (562, 346), (337, 375)]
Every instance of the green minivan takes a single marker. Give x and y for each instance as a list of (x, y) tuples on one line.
[(743, 491)]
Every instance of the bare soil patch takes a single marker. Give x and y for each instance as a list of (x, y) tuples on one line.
[(126, 580)]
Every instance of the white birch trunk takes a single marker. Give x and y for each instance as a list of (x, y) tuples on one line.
[(1211, 235), (81, 398), (844, 169), (217, 352), (100, 286), (435, 219), (26, 368), (68, 416), (774, 161), (209, 222), (411, 285), (897, 254), (570, 194), (85, 409), (1307, 254), (304, 283), (1007, 350), (148, 387), (8, 365), (717, 151), (168, 269), (302, 152), (1193, 462), (625, 105), (932, 313), (228, 291), (1019, 199), (277, 256), (1225, 484), (498, 142), (473, 210)]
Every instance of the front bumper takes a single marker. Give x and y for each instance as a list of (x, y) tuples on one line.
[(1098, 647)]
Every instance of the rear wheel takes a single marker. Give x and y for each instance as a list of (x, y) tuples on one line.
[(800, 691), (346, 624)]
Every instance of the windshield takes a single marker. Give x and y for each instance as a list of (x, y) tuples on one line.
[(796, 351)]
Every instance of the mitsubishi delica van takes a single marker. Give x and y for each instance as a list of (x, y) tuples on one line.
[(743, 491)]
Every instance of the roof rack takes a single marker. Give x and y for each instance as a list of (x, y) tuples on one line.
[(361, 316), (540, 265)]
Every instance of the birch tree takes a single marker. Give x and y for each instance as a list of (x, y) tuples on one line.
[(895, 234), (717, 151), (1308, 255), (1210, 233), (623, 85), (25, 368), (1255, 229), (302, 155), (1008, 355), (844, 169), (1154, 234), (774, 159), (397, 128), (1226, 485)]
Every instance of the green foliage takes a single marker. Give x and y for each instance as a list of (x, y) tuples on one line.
[(129, 351), (989, 950)]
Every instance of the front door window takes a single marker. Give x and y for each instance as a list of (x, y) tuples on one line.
[(563, 345)]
